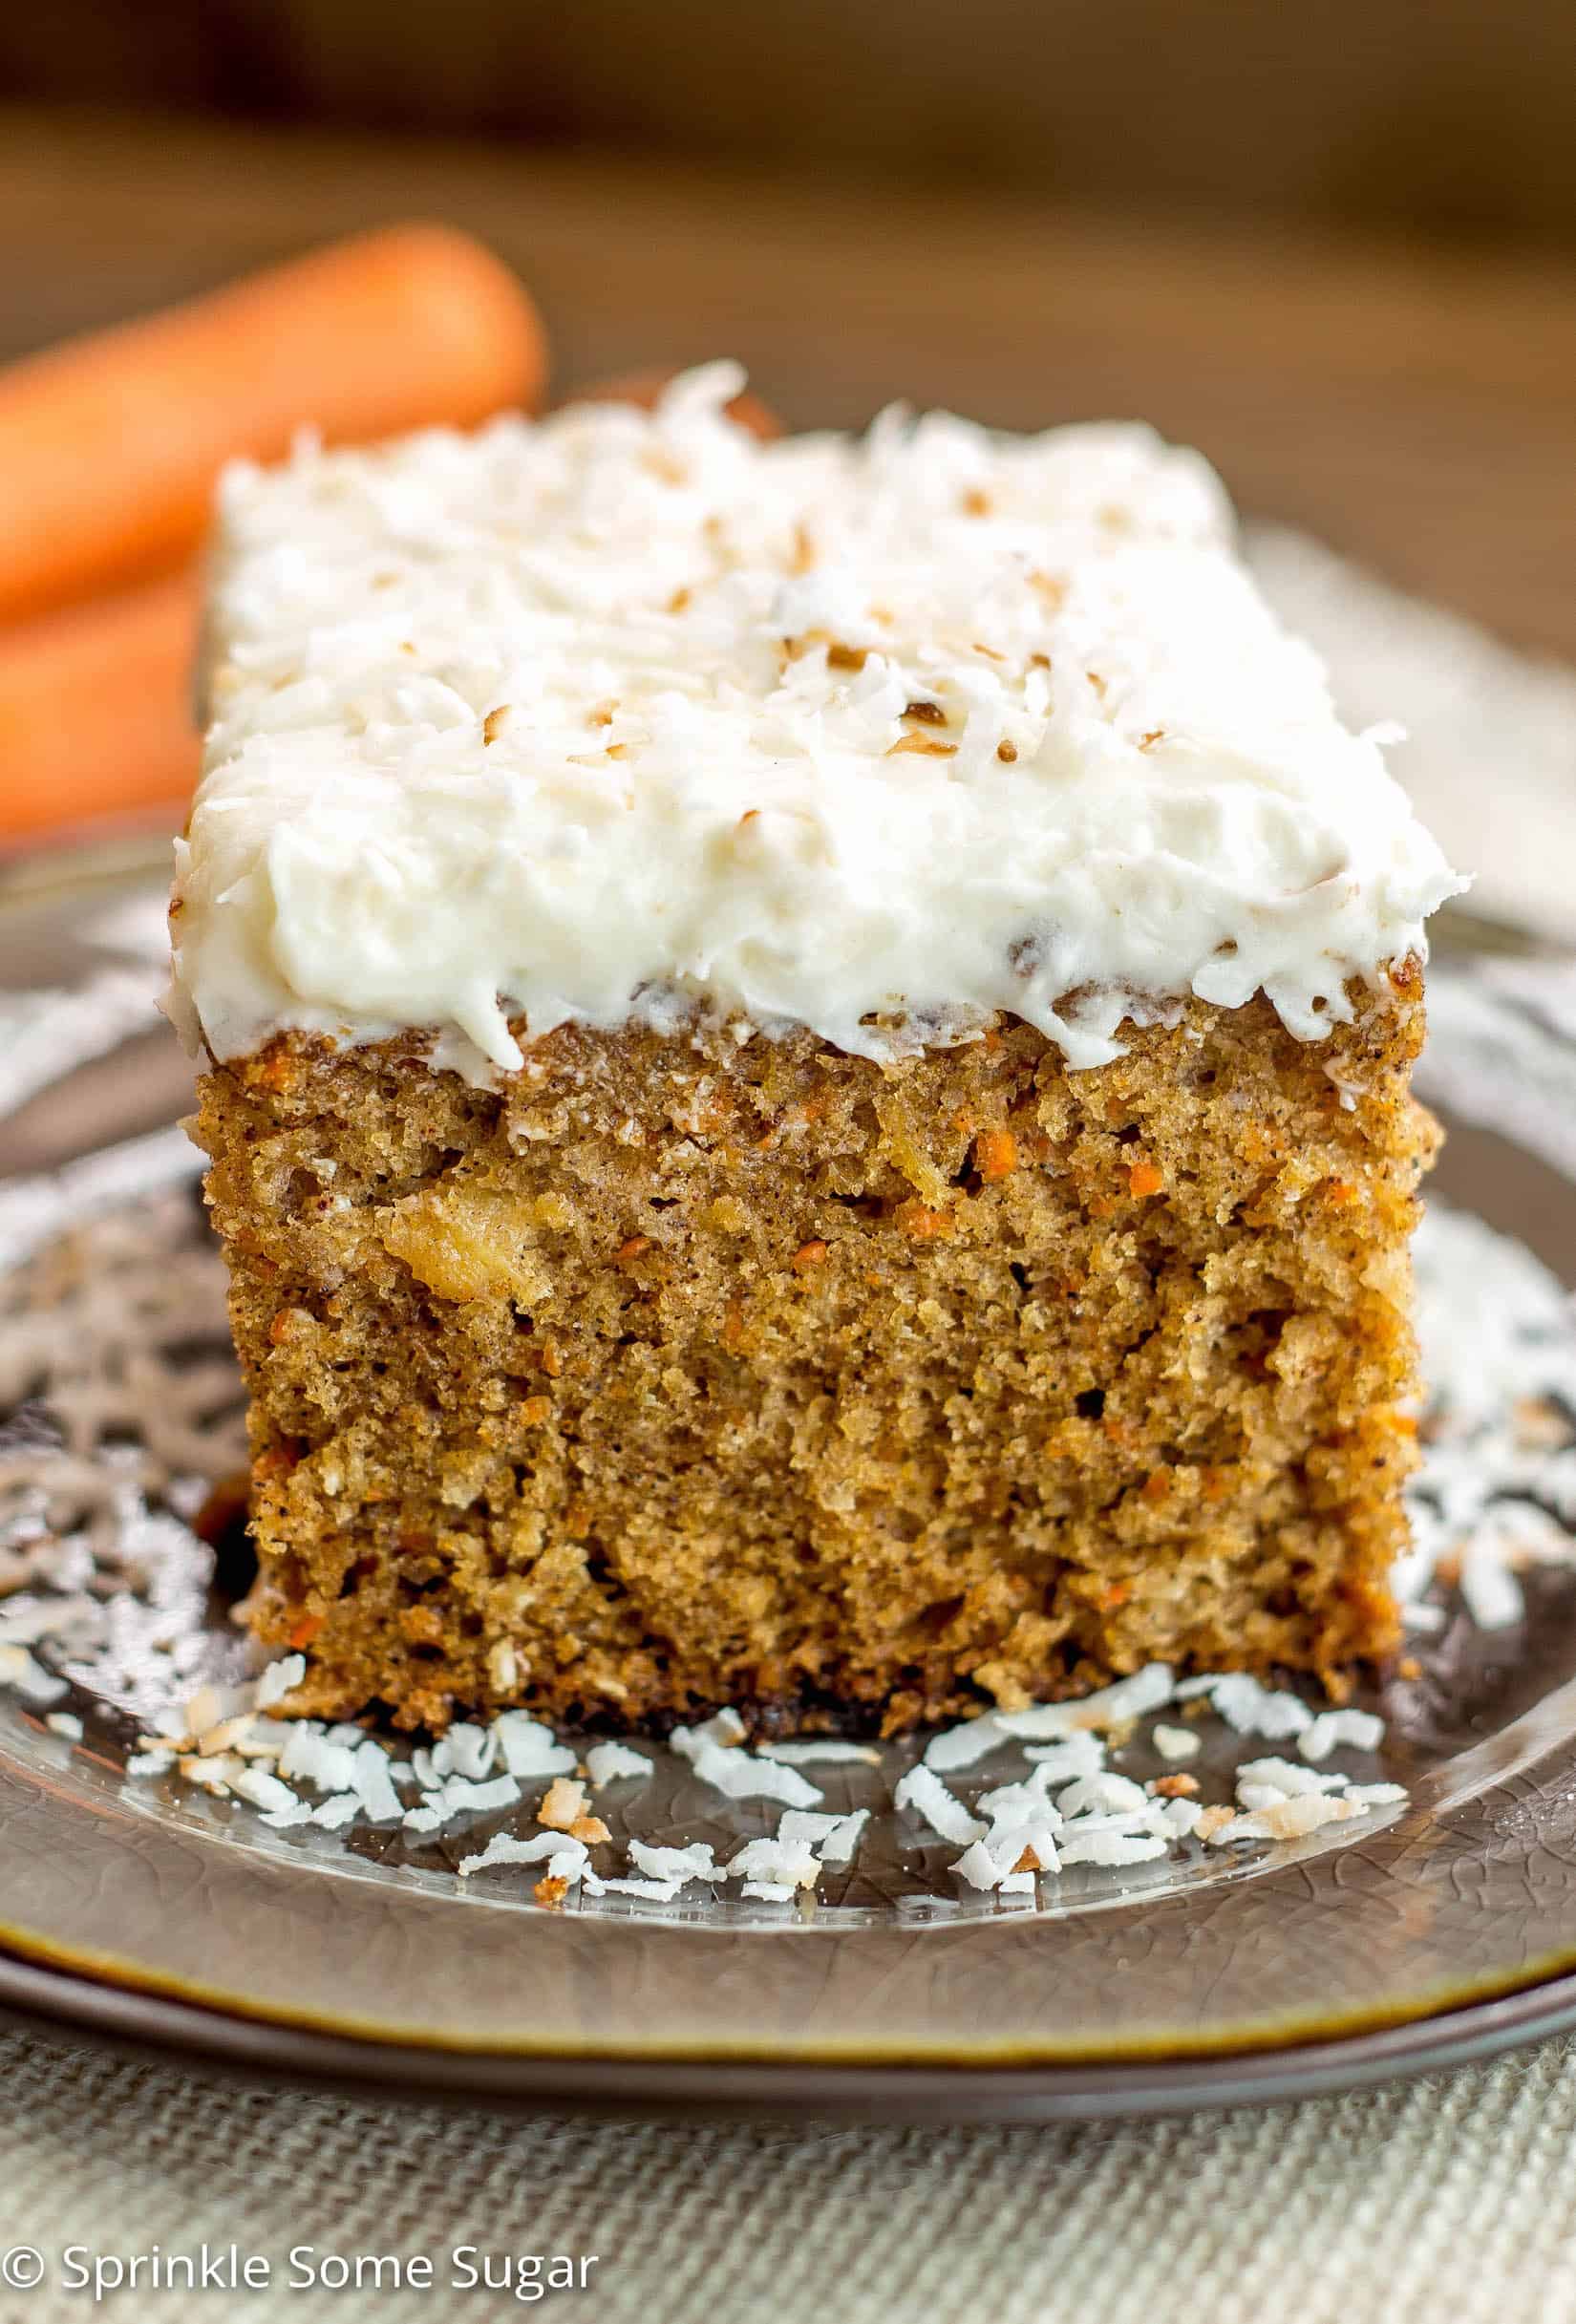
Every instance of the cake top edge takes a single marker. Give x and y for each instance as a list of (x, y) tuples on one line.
[(620, 712)]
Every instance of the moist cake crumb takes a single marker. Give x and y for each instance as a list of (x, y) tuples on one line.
[(1077, 1430)]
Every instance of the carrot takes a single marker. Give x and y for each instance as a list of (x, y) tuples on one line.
[(95, 708), (643, 388), (109, 444), (996, 1153)]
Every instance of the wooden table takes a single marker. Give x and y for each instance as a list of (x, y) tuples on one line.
[(1417, 407)]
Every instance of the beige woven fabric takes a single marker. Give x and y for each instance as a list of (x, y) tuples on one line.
[(1443, 2202)]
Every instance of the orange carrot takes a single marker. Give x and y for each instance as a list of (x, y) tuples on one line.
[(996, 1152), (95, 708), (109, 444), (643, 388)]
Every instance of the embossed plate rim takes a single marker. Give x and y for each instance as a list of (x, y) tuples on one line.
[(256, 2053)]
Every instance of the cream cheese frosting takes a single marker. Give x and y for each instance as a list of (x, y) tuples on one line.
[(618, 713)]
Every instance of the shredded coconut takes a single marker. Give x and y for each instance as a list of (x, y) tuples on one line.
[(1494, 1597), (1282, 1776), (701, 649), (782, 1862), (737, 1773), (693, 1862), (1081, 1755), (1110, 1847), (1247, 1706), (529, 1749), (841, 1843), (460, 1797), (1110, 1707), (1101, 1795), (823, 1752), (923, 1791), (279, 1680), (565, 1858), (956, 1748), (1328, 1730), (465, 1750), (649, 1891), (615, 1763)]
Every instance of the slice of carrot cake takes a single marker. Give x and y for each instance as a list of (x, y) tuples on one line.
[(807, 1070)]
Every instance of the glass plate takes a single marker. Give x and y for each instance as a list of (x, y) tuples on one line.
[(154, 1911)]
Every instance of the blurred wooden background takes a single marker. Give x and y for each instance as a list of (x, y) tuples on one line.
[(1334, 245), (1441, 116)]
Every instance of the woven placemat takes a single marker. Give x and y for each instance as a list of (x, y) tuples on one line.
[(1452, 2198)]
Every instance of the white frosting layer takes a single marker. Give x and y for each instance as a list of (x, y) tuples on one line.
[(694, 656)]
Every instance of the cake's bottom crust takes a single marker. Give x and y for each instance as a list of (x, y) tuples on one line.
[(680, 1373)]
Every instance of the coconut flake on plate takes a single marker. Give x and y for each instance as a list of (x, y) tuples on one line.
[(1286, 1819), (566, 1859), (285, 1819), (310, 1757), (28, 1678), (1080, 1755), (842, 1840), (1011, 1837), (1328, 1730), (466, 1749), (1490, 1591), (1103, 1795), (279, 1679), (335, 1814), (461, 1797), (1110, 1848), (736, 1773), (956, 1748), (529, 1749), (651, 1892), (697, 1862), (374, 1785), (26, 1621), (1115, 1706), (1247, 1706), (780, 1862), (1286, 1777), (615, 1763), (978, 1867), (262, 1790), (724, 1727), (1020, 1800), (923, 1791)]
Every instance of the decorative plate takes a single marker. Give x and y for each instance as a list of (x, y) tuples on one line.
[(1349, 1904)]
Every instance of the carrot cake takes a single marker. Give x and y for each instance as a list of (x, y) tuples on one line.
[(806, 1055)]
